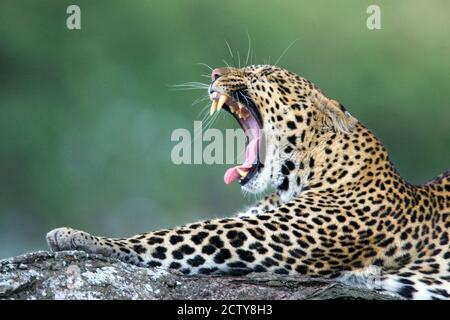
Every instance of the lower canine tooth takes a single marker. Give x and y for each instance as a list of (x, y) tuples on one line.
[(242, 172)]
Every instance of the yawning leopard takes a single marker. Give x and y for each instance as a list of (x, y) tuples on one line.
[(339, 207)]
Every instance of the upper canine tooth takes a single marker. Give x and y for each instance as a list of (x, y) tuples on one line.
[(241, 106), (213, 107), (222, 100)]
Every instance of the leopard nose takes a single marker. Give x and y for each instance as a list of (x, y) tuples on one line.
[(216, 73)]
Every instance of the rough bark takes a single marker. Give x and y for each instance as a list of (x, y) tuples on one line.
[(77, 275)]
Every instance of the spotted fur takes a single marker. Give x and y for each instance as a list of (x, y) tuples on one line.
[(340, 208)]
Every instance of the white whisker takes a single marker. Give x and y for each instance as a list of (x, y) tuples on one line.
[(200, 99), (239, 59), (205, 120), (249, 48), (284, 52), (228, 65), (205, 65), (230, 51), (189, 86)]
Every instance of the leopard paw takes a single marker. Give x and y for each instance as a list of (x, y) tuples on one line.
[(69, 239)]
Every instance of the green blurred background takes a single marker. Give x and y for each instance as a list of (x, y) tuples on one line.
[(86, 116)]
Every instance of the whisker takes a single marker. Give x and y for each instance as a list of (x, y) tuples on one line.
[(205, 65), (230, 51), (239, 59), (249, 47), (200, 99), (202, 113), (189, 86), (211, 121), (226, 63), (246, 99), (284, 52), (184, 89), (206, 119)]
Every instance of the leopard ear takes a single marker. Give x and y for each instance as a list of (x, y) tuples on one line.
[(335, 112)]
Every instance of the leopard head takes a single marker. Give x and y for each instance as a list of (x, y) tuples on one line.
[(292, 127)]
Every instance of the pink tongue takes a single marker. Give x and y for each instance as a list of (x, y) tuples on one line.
[(250, 159)]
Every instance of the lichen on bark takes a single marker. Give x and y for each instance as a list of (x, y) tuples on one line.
[(78, 275)]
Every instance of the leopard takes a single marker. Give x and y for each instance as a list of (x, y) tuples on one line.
[(335, 205)]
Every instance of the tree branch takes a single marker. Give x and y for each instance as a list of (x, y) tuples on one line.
[(77, 275)]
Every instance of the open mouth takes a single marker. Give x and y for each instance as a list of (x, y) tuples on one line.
[(247, 115)]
